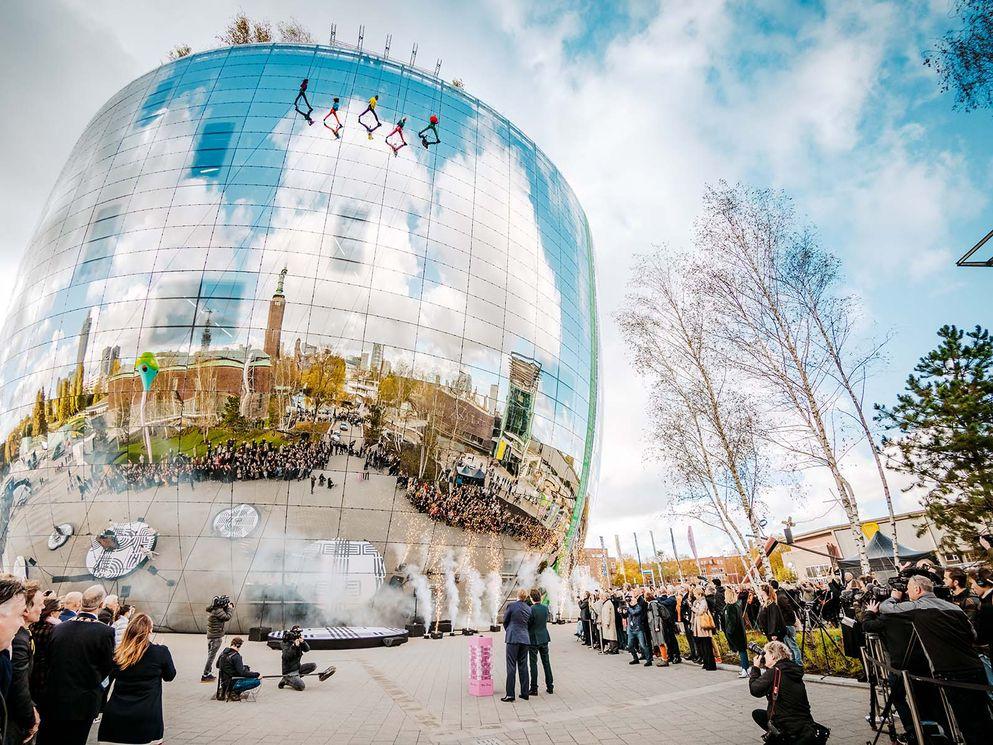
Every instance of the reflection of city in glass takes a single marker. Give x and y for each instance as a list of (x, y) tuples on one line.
[(393, 353)]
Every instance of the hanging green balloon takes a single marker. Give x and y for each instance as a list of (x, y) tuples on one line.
[(147, 367)]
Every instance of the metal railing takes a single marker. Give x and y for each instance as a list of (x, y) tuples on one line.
[(881, 718)]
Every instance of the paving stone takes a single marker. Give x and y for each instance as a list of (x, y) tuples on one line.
[(417, 694)]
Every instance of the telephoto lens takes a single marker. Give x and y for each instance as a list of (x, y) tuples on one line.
[(755, 648)]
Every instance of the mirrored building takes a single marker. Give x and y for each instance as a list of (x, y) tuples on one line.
[(356, 354)]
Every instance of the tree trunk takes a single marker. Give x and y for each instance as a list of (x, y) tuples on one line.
[(857, 403)]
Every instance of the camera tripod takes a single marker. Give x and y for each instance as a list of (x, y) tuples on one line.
[(810, 619)]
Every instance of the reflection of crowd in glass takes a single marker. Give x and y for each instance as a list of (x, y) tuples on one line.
[(475, 508), (230, 462)]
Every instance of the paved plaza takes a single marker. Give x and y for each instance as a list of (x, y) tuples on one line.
[(417, 693)]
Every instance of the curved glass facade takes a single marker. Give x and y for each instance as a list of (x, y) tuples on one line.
[(358, 357)]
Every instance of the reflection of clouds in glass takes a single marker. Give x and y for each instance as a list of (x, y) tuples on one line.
[(451, 258)]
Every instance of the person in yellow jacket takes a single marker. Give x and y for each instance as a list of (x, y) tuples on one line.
[(371, 109)]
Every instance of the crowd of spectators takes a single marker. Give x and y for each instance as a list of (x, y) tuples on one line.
[(231, 461), (475, 508), (68, 662)]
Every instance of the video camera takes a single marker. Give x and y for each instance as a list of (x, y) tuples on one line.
[(220, 601), (850, 599), (899, 582), (292, 634)]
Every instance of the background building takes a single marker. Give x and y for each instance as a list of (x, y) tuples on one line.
[(837, 540), (297, 288)]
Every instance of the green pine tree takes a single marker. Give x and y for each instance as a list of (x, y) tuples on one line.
[(231, 416), (943, 437)]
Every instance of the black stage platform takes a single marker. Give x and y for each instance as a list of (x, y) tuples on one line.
[(346, 637)]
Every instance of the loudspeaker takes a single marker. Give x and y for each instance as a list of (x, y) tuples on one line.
[(259, 633), (394, 641), (415, 629)]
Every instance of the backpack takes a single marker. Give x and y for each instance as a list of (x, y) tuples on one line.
[(664, 613)]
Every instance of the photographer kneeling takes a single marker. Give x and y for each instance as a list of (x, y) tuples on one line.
[(236, 676), (787, 718), (293, 647)]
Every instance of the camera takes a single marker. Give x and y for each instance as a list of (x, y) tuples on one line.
[(292, 634), (936, 575), (757, 649), (220, 601)]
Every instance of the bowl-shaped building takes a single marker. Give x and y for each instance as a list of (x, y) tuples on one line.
[(260, 346)]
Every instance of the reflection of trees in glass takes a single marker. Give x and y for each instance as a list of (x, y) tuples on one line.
[(205, 395), (39, 419), (324, 379), (286, 381), (231, 416), (12, 446)]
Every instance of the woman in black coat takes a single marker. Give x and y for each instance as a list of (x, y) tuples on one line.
[(770, 620), (133, 714), (734, 630)]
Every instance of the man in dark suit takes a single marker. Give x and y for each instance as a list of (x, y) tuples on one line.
[(538, 632), (515, 622), (80, 657)]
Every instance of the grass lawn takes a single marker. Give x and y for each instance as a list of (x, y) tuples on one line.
[(818, 658), (192, 443)]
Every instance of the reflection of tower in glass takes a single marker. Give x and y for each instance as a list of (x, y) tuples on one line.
[(274, 328), (108, 357), (84, 341), (376, 361), (206, 337), (516, 434)]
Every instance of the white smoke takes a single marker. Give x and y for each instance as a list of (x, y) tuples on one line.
[(494, 595), (475, 587), (527, 574), (422, 591), (582, 581), (557, 590), (451, 586)]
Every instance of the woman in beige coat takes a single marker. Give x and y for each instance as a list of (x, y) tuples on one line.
[(703, 637), (608, 626)]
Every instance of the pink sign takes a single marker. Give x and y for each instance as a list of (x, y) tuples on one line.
[(480, 671)]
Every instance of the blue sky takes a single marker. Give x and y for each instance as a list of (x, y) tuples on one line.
[(640, 104)]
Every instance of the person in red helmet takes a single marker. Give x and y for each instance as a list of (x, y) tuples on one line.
[(432, 128)]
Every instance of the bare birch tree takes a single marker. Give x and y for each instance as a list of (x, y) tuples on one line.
[(811, 276), (745, 236), (704, 427)]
